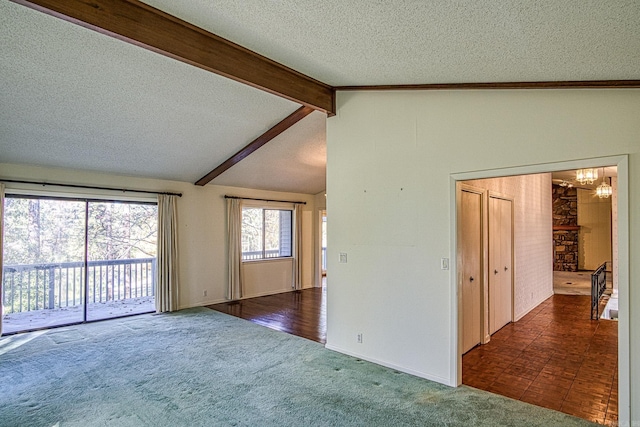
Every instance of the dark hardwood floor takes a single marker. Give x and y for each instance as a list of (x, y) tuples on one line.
[(301, 313), (554, 357)]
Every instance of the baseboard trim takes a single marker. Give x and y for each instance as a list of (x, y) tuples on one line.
[(221, 300), (535, 304), (435, 378), (266, 293), (202, 304)]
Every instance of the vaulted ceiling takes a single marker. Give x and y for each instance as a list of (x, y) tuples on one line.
[(79, 99)]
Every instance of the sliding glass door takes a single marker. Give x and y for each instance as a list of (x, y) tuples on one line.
[(43, 274), (74, 260), (121, 259)]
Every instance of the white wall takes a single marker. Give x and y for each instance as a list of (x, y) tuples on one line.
[(201, 232), (392, 158), (533, 236), (594, 237), (267, 277)]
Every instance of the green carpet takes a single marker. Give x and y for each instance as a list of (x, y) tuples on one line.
[(199, 367)]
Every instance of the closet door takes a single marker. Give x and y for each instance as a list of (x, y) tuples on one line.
[(471, 263), (500, 263)]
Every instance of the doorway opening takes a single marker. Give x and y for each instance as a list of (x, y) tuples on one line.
[(75, 260), (543, 350), (321, 249), (323, 243)]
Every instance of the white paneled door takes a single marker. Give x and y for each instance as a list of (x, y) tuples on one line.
[(500, 262), (471, 267)]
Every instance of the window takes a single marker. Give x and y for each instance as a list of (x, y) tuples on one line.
[(266, 233)]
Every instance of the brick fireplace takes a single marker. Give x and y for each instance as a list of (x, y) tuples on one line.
[(565, 228)]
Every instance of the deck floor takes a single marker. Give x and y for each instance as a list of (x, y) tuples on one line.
[(39, 319)]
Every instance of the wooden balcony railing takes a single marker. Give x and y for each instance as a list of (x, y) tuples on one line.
[(29, 287)]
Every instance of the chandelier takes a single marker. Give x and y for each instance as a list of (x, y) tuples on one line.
[(587, 176), (604, 190)]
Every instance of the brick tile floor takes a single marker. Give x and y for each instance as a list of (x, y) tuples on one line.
[(555, 357)]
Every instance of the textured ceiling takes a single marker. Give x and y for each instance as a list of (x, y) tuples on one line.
[(363, 42), (77, 99), (73, 98), (284, 162)]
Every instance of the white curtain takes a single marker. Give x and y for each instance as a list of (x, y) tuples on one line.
[(234, 228), (297, 247), (1, 249), (167, 262)]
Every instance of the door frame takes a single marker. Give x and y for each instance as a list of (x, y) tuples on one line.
[(622, 163), (318, 258)]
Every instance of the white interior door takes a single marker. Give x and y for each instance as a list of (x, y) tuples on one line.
[(506, 258), (471, 266), (500, 260)]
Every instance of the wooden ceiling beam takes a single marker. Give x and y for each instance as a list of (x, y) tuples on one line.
[(140, 24), (285, 124), (576, 84)]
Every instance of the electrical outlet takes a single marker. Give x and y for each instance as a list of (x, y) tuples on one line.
[(359, 338), (204, 293), (343, 257)]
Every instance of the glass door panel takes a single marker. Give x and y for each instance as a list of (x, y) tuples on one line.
[(121, 240), (43, 273)]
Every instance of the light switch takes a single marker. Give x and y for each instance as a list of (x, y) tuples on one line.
[(444, 264), (343, 257)]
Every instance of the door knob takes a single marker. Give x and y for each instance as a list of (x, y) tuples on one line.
[(505, 269), (471, 279), (495, 271)]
